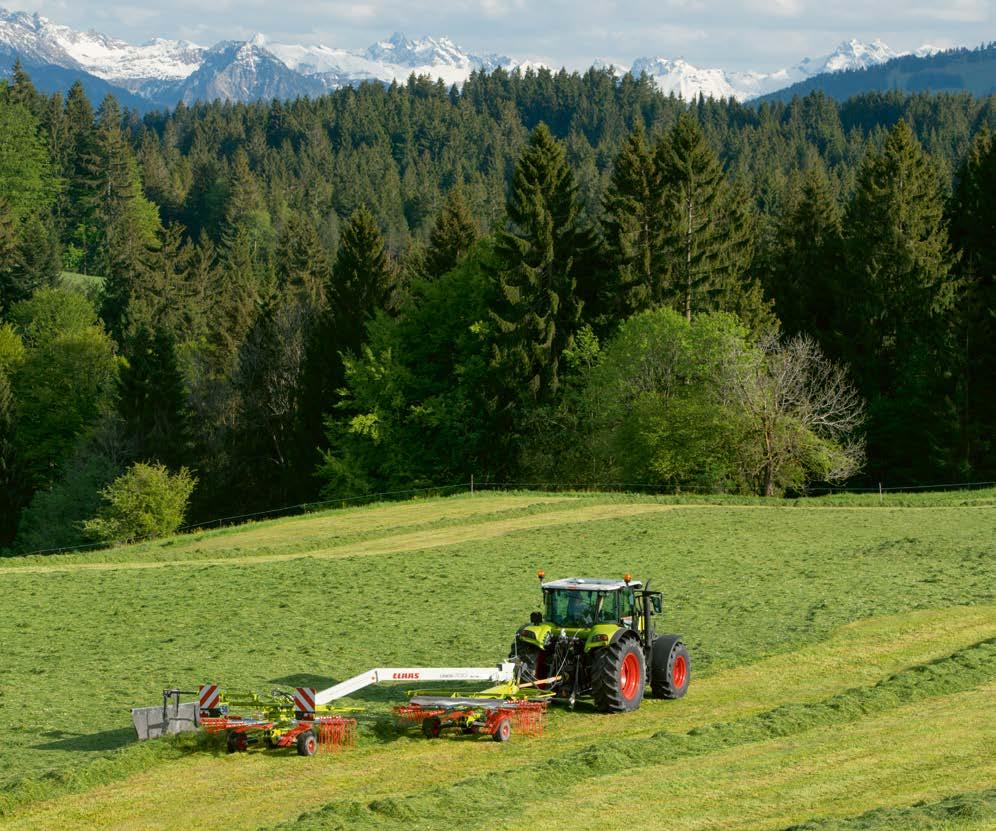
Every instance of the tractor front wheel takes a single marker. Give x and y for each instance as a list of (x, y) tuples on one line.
[(672, 668), (618, 676)]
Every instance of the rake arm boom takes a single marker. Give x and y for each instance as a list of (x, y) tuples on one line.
[(496, 675)]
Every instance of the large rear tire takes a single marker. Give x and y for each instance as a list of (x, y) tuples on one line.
[(671, 671), (532, 663), (619, 676)]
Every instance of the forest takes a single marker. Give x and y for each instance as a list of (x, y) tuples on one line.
[(538, 277)]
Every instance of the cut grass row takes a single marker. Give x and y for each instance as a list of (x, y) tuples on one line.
[(879, 651), (516, 791)]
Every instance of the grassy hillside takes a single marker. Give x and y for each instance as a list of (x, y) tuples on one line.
[(844, 666)]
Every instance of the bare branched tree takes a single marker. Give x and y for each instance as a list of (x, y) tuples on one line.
[(800, 411)]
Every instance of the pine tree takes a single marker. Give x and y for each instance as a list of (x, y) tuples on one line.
[(633, 229), (898, 287), (537, 275), (973, 232), (453, 234), (151, 398), (708, 247)]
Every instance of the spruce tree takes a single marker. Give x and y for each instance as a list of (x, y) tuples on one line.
[(11, 480), (126, 223), (12, 285), (361, 281), (973, 232), (302, 266), (453, 234), (151, 398), (898, 287), (539, 308), (708, 245), (22, 91), (633, 229), (807, 259)]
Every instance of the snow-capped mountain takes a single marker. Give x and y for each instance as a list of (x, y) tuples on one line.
[(39, 40), (164, 72), (681, 78), (388, 60), (242, 71)]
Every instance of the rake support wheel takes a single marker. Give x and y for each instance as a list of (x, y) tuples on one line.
[(307, 743), (618, 676)]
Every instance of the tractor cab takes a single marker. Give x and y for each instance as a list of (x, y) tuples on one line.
[(585, 602)]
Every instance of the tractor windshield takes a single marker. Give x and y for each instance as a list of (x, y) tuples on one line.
[(578, 608)]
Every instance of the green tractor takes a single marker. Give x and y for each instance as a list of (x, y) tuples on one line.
[(596, 638)]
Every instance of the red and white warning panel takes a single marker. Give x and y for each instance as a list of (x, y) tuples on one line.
[(304, 700), (209, 697)]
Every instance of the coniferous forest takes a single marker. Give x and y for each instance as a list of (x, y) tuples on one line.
[(546, 277)]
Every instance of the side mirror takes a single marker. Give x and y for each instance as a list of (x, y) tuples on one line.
[(536, 618), (655, 601)]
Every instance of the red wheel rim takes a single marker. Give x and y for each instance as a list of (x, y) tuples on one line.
[(506, 729), (629, 677), (679, 672), (312, 746)]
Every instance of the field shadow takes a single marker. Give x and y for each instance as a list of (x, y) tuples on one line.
[(86, 742), (303, 679)]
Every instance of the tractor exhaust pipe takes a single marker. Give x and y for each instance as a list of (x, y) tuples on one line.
[(648, 623)]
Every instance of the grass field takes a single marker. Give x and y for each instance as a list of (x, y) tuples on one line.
[(844, 658)]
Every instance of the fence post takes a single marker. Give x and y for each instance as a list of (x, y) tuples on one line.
[(880, 493), (471, 484)]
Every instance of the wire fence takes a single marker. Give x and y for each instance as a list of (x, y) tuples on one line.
[(475, 485)]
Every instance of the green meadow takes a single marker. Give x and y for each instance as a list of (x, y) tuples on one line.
[(844, 667)]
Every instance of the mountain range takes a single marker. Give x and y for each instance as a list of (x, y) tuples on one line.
[(160, 73)]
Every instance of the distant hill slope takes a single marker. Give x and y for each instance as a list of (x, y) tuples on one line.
[(960, 70), (49, 78)]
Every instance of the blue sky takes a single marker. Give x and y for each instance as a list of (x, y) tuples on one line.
[(756, 34)]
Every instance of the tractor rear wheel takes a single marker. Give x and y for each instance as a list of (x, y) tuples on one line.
[(672, 668), (503, 732), (532, 663), (307, 743), (618, 676)]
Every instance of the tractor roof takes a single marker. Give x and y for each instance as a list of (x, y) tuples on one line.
[(597, 584)]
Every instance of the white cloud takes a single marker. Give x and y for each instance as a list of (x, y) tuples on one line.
[(962, 11), (777, 8)]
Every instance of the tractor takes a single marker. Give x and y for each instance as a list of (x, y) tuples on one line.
[(596, 638)]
